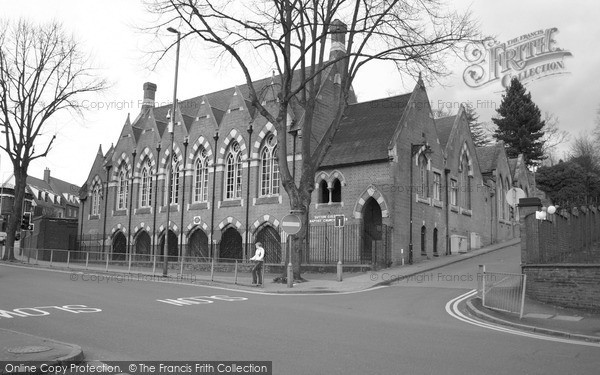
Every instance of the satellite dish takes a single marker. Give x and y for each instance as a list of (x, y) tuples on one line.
[(513, 195)]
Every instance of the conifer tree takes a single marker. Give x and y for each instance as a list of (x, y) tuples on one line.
[(520, 125), (478, 133)]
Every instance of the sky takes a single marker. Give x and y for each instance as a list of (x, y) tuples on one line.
[(112, 33)]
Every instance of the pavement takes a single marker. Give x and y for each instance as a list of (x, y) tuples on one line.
[(19, 347), (541, 318)]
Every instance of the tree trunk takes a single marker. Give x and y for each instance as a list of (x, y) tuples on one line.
[(297, 243), (14, 223)]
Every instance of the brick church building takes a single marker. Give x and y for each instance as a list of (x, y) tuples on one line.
[(410, 186)]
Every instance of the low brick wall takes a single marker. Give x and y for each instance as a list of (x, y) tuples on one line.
[(567, 285)]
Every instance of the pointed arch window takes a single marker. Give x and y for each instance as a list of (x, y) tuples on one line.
[(500, 194), (269, 176), (146, 184), (465, 182), (122, 188), (96, 191), (201, 177), (336, 191), (233, 164), (509, 212), (423, 177), (174, 190)]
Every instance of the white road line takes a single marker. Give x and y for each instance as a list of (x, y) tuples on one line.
[(452, 309), (79, 271)]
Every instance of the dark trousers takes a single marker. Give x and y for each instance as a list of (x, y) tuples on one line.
[(257, 273)]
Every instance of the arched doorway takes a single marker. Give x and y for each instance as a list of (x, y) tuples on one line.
[(423, 240), (198, 245), (119, 246), (371, 230), (142, 245), (271, 241), (435, 242), (173, 246), (231, 244)]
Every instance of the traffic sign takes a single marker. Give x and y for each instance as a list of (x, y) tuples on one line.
[(513, 195), (339, 221), (291, 224)]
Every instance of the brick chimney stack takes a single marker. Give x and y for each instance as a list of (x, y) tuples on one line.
[(149, 94), (47, 175), (338, 31)]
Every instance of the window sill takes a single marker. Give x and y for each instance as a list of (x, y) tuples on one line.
[(143, 211), (329, 205), (231, 203), (174, 208), (466, 212), (267, 200), (423, 200), (94, 217), (120, 213), (438, 203), (454, 208), (198, 206)]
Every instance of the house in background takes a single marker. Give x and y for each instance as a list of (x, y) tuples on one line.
[(53, 197), (54, 205)]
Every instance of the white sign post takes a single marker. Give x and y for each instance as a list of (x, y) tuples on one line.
[(291, 224), (340, 221)]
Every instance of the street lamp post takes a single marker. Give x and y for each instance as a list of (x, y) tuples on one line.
[(170, 163), (414, 149)]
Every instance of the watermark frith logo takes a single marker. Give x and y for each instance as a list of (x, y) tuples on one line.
[(529, 57)]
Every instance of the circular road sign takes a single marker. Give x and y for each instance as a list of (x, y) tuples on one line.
[(513, 195), (291, 224)]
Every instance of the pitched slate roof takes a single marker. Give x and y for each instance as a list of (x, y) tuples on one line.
[(444, 127), (55, 187), (488, 157), (366, 131)]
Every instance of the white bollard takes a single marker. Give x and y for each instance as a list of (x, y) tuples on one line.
[(290, 275), (339, 270)]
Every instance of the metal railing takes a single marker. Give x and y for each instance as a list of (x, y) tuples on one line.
[(185, 269), (503, 291)]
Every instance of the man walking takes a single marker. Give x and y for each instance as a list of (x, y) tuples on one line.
[(257, 269)]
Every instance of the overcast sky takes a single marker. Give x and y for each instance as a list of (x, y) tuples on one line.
[(109, 31)]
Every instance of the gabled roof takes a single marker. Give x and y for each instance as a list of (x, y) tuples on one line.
[(488, 157), (444, 127), (512, 164), (55, 187), (365, 131)]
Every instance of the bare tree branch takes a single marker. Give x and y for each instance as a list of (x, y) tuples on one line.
[(293, 35), (42, 71)]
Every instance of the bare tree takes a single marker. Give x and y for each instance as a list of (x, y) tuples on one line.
[(597, 127), (585, 152), (291, 36), (553, 136), (42, 71)]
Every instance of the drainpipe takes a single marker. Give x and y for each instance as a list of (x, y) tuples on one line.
[(212, 206), (108, 167), (250, 130), (129, 237), (185, 146), (82, 209), (155, 199), (448, 249)]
